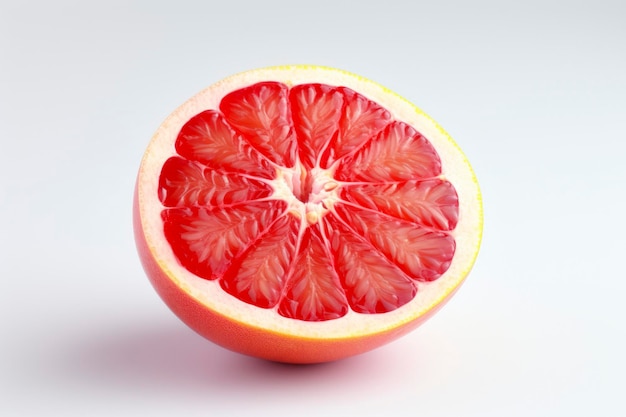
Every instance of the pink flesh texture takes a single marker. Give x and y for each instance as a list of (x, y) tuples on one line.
[(388, 230)]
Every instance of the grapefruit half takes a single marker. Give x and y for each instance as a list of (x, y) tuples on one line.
[(304, 214)]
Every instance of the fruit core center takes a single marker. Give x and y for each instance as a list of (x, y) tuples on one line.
[(309, 193)]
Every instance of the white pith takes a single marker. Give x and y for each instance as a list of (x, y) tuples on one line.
[(324, 191), (455, 169)]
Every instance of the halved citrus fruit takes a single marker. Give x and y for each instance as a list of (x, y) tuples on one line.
[(304, 214)]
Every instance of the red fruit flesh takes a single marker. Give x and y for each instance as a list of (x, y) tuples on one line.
[(309, 200)]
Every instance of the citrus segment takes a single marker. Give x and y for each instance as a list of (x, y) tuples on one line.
[(185, 184), (261, 113), (258, 276), (315, 110), (359, 121), (206, 240), (373, 284), (397, 153), (313, 292), (208, 139), (422, 253), (307, 205), (431, 203)]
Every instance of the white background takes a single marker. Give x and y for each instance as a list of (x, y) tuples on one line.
[(533, 91)]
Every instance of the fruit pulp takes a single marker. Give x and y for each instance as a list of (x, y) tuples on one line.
[(308, 199)]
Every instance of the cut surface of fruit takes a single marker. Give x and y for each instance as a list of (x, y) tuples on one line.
[(304, 214)]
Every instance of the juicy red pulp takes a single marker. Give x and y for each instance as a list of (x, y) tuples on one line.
[(311, 200)]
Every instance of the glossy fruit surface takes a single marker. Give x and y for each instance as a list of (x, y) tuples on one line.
[(304, 214)]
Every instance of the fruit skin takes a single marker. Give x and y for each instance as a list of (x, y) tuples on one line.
[(243, 338)]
